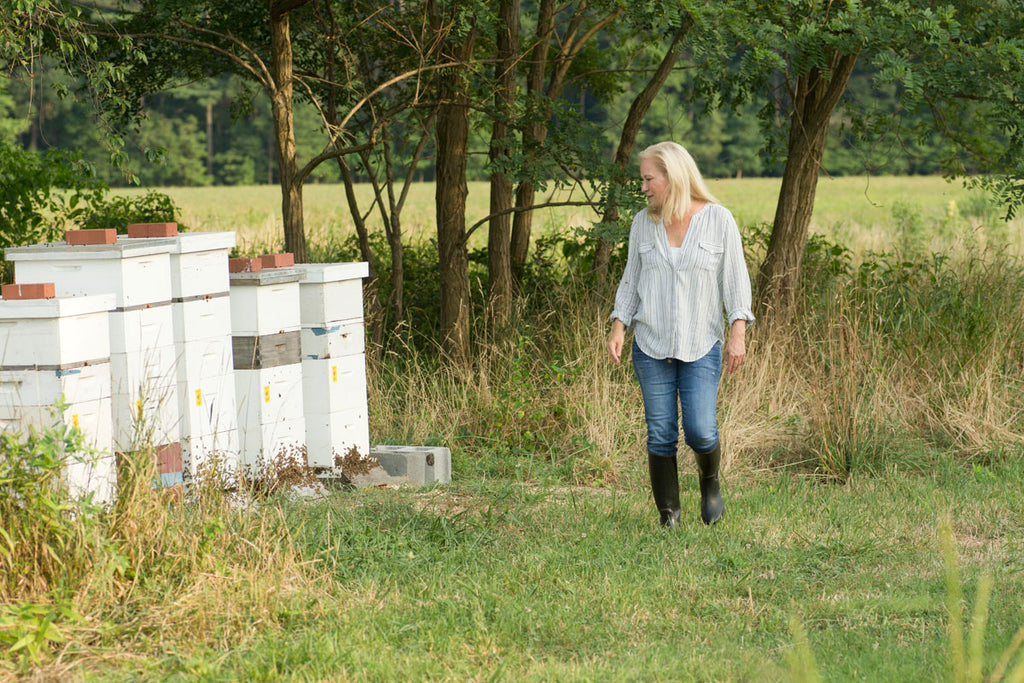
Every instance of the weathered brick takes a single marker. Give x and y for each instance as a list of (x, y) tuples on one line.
[(245, 265), (41, 290), (152, 230), (278, 260), (92, 236), (168, 457)]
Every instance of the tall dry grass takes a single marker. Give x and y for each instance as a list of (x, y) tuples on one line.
[(888, 362)]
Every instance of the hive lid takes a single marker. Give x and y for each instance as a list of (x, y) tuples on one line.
[(59, 307), (314, 273), (60, 251), (274, 276), (191, 242)]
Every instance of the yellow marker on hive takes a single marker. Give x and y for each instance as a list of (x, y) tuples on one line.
[(199, 397), (334, 373), (74, 420), (266, 394)]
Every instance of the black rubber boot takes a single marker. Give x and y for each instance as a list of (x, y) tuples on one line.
[(665, 486), (711, 505)]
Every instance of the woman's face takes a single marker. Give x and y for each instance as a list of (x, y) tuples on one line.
[(655, 184)]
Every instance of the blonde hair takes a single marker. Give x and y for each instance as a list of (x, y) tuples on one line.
[(685, 184)]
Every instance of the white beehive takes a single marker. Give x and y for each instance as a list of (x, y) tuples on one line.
[(334, 397), (334, 364), (267, 367), (333, 340), (205, 318), (202, 317), (199, 264), (271, 421), (137, 272), (53, 360), (266, 302), (332, 292)]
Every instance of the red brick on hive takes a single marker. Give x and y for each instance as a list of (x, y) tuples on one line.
[(278, 260), (40, 290), (245, 265), (91, 236), (152, 230)]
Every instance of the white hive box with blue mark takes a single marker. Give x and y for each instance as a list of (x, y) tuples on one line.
[(334, 363), (58, 349), (142, 356)]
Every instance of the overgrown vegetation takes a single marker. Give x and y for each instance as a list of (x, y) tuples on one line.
[(896, 399)]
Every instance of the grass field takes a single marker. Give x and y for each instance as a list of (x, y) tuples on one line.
[(530, 581), (894, 403)]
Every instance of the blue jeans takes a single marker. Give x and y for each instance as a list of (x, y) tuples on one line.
[(669, 383)]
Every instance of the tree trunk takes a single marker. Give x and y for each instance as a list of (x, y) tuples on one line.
[(816, 95), (392, 217), (452, 141), (375, 311), (533, 135), (499, 228), (627, 140), (571, 42), (209, 139), (284, 137)]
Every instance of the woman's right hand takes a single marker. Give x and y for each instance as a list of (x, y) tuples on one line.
[(616, 339)]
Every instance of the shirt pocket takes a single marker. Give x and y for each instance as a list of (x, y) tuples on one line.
[(709, 255), (648, 255)]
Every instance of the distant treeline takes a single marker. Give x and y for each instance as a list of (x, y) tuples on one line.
[(220, 132)]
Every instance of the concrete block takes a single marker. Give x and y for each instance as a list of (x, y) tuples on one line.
[(408, 465)]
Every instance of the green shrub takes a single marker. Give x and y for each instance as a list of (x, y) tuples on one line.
[(44, 531), (120, 210)]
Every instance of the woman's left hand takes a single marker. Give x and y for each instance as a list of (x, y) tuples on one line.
[(735, 350)]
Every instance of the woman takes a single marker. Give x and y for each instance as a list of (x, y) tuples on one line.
[(685, 265)]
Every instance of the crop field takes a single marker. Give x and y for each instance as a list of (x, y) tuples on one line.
[(860, 212)]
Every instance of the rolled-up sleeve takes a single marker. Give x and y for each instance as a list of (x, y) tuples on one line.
[(735, 283), (627, 298)]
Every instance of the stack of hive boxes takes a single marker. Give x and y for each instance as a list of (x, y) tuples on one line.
[(142, 354), (334, 363), (60, 347), (201, 310), (268, 370)]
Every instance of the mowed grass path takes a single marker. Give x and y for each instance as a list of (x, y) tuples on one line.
[(509, 581)]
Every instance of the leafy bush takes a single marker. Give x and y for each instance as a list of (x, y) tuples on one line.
[(118, 211), (43, 530), (41, 194)]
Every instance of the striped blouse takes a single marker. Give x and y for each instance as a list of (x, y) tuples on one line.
[(675, 305)]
